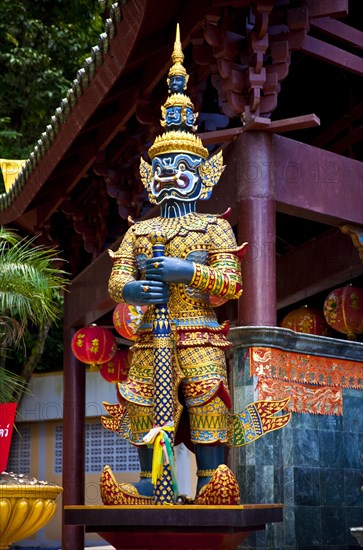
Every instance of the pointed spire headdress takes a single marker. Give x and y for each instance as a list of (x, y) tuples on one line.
[(177, 68), (178, 117)]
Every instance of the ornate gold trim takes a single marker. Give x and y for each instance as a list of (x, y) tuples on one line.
[(178, 142), (205, 473)]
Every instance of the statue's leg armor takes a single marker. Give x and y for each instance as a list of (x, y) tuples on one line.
[(207, 400), (141, 423), (140, 492), (208, 430), (136, 396), (216, 483)]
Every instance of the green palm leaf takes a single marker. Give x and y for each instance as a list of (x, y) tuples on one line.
[(12, 386), (30, 289), (29, 282)]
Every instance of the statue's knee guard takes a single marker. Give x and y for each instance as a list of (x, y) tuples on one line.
[(209, 422), (141, 422)]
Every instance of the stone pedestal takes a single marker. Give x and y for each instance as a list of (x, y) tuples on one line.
[(313, 466), (173, 527)]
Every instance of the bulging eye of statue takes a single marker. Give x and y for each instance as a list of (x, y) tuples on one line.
[(183, 181), (182, 166), (157, 172)]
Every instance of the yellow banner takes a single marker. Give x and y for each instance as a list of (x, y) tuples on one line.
[(10, 169)]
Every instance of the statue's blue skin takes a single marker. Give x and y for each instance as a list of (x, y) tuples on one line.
[(177, 84), (190, 119), (176, 184), (176, 187), (173, 117)]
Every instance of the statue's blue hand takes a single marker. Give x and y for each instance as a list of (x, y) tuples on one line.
[(169, 270), (143, 293)]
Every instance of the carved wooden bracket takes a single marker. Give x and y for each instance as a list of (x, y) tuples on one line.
[(248, 51)]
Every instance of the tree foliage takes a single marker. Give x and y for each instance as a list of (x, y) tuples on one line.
[(42, 45), (30, 301), (29, 282)]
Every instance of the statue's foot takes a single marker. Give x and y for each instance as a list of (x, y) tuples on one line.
[(126, 494), (221, 490)]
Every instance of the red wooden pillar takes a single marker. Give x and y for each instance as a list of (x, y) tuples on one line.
[(73, 438), (257, 225)]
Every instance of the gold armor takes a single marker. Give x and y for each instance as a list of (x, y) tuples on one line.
[(199, 341)]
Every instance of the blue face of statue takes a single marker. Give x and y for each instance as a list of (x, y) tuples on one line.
[(177, 84), (176, 178), (190, 118), (173, 116)]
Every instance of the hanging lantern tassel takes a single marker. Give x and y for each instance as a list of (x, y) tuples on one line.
[(93, 367), (162, 453)]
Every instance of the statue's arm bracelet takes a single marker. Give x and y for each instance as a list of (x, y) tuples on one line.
[(123, 272), (215, 281)]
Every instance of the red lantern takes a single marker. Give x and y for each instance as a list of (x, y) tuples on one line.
[(117, 368), (94, 345), (343, 310), (127, 319), (307, 320)]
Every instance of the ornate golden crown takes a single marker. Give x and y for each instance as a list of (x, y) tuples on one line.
[(177, 100), (176, 141)]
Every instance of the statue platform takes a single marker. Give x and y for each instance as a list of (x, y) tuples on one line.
[(186, 527)]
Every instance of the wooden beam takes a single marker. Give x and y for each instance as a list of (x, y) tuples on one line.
[(322, 8), (332, 54), (260, 123), (337, 29), (294, 123), (73, 464), (316, 184), (316, 266), (220, 136)]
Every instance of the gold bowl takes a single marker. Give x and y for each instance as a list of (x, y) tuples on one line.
[(24, 509)]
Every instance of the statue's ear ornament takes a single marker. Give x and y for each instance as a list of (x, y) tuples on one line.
[(146, 177), (210, 171)]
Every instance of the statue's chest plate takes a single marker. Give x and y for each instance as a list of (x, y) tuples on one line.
[(193, 246)]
